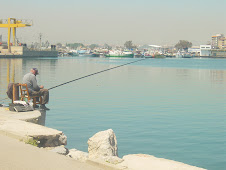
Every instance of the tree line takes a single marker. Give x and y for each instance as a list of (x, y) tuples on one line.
[(181, 45)]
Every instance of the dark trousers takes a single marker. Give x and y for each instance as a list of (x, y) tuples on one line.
[(44, 93)]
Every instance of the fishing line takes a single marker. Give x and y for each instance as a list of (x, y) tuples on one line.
[(96, 73)]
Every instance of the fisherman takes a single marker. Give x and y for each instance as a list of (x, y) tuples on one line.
[(34, 89)]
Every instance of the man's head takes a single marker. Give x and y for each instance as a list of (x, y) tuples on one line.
[(34, 71)]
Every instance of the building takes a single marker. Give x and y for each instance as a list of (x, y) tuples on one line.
[(205, 50), (222, 43), (219, 53), (215, 40), (194, 50)]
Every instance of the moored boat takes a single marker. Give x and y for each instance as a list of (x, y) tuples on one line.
[(73, 54), (183, 54), (96, 54), (120, 54)]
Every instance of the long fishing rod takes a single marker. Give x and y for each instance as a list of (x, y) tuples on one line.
[(96, 73)]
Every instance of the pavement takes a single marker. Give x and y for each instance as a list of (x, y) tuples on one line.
[(16, 155)]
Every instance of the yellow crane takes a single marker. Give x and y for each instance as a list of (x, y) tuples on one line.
[(14, 23)]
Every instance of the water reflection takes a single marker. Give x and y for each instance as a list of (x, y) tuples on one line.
[(213, 76), (12, 70), (217, 76)]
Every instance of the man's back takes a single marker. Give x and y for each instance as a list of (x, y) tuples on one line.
[(30, 80)]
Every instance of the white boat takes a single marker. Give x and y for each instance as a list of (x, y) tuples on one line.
[(120, 54), (179, 54), (183, 54)]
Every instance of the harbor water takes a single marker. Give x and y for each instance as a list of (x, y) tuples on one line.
[(169, 108)]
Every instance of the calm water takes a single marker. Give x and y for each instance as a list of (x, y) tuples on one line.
[(169, 108)]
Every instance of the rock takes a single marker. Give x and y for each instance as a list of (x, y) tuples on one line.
[(53, 140), (147, 162), (60, 150), (78, 155), (103, 144), (63, 139), (112, 159)]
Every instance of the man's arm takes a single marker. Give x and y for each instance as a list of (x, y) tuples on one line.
[(34, 83)]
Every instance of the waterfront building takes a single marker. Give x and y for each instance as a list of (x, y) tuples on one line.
[(215, 40), (194, 50), (219, 53), (205, 50), (222, 43)]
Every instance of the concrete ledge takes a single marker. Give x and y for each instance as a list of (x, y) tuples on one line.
[(32, 116), (15, 125), (105, 165), (149, 162)]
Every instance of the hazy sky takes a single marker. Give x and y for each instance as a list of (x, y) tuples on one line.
[(116, 21)]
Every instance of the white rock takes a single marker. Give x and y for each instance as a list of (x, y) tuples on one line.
[(112, 159), (60, 150), (148, 162), (103, 144), (63, 139), (78, 155)]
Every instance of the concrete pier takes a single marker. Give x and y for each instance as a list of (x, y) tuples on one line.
[(19, 126), (33, 116), (22, 52)]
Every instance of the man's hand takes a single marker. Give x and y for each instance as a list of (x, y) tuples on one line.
[(41, 87)]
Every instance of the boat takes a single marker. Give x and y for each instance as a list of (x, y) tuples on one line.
[(83, 52), (187, 55), (73, 53), (138, 54), (158, 55), (183, 54), (96, 54), (120, 54)]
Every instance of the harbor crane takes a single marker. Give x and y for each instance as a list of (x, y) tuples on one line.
[(14, 23)]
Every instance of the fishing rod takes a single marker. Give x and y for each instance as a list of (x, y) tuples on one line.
[(96, 73)]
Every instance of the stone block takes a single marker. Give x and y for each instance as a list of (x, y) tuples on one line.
[(78, 155), (103, 144)]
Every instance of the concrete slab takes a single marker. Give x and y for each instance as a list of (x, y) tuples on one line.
[(149, 162), (32, 116), (105, 165), (13, 124)]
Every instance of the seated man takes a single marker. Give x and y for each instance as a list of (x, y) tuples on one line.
[(34, 89)]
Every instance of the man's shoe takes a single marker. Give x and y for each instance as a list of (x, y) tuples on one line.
[(43, 107), (36, 106)]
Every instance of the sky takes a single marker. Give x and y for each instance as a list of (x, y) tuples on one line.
[(162, 22)]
